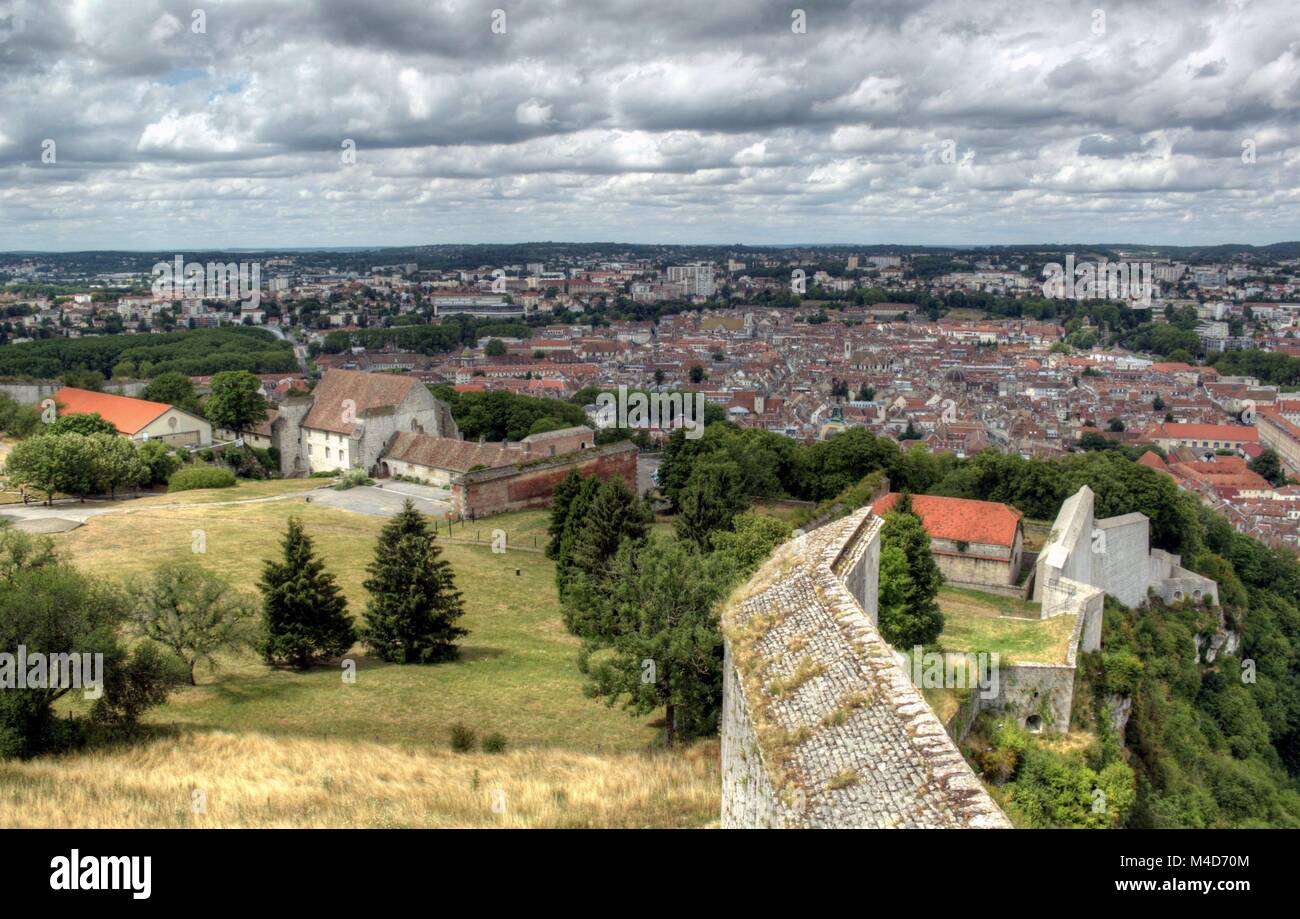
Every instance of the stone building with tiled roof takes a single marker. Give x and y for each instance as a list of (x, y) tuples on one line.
[(975, 543), (349, 418), (438, 460)]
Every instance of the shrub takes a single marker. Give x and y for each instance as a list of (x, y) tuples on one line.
[(352, 478), (998, 764), (324, 474), (494, 743), (1123, 671), (200, 477), (462, 738)]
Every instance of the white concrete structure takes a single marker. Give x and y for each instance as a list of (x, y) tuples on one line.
[(1112, 555)]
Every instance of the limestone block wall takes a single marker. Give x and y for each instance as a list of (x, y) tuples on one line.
[(32, 392), (1113, 555), (1067, 553), (1173, 583), (420, 411), (29, 392), (975, 569), (816, 696), (858, 566), (748, 799), (287, 436), (1040, 695)]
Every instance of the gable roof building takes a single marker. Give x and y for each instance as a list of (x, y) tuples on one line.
[(961, 519), (976, 544), (347, 420), (138, 419)]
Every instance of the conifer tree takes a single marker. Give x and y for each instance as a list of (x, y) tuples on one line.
[(909, 579), (614, 515), (713, 496), (304, 612), (561, 501), (414, 603), (574, 520), (666, 646)]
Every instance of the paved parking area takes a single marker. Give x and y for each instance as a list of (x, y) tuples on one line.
[(385, 499), (646, 465)]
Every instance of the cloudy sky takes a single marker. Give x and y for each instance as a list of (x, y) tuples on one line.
[(693, 121)]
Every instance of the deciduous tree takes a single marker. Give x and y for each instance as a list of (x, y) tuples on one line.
[(192, 612), (236, 403)]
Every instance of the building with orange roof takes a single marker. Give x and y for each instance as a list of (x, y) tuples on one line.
[(138, 419), (1204, 437), (977, 544), (1152, 460)]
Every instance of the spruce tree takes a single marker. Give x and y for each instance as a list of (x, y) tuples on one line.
[(414, 603), (305, 613), (713, 497), (561, 500), (574, 521), (909, 579), (614, 515)]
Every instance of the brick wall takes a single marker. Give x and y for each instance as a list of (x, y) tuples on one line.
[(513, 488)]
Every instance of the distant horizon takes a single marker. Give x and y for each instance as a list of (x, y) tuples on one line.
[(134, 250)]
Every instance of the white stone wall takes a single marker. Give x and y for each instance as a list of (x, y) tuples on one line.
[(1113, 555), (427, 474), (748, 799), (326, 450), (1067, 553), (1121, 557)]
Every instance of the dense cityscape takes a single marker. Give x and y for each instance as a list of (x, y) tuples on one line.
[(956, 351)]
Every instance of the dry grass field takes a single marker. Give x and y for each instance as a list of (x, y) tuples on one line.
[(250, 780)]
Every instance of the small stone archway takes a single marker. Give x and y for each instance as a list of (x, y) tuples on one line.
[(1034, 724)]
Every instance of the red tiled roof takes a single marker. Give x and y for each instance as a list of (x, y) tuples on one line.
[(448, 453), (1238, 433), (364, 391), (126, 414), (961, 519)]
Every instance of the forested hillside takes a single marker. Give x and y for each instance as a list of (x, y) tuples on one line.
[(193, 353)]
